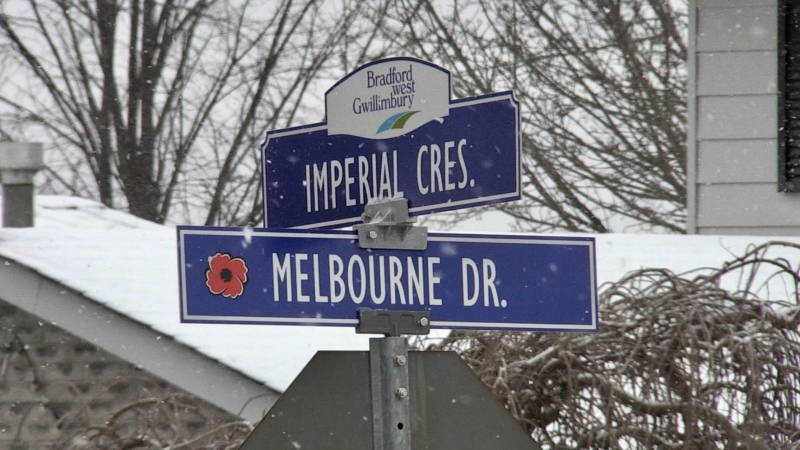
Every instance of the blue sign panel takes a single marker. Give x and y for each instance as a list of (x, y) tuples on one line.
[(317, 277), (314, 179)]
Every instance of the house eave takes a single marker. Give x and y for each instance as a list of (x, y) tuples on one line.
[(134, 342)]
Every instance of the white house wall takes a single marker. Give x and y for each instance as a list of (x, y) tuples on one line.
[(733, 121)]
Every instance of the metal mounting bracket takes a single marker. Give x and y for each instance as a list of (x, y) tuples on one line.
[(393, 323), (387, 225)]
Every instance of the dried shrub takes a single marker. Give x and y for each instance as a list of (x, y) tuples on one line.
[(166, 419), (704, 360)]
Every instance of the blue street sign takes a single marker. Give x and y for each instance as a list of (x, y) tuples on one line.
[(317, 277), (392, 132)]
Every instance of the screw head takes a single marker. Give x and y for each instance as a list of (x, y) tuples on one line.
[(373, 234), (424, 322), (400, 360), (401, 392)]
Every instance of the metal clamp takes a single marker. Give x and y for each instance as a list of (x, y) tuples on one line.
[(387, 225), (393, 323)]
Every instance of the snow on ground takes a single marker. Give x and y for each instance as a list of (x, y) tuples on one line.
[(130, 265)]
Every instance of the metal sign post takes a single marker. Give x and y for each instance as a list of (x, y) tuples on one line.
[(391, 414), (387, 225)]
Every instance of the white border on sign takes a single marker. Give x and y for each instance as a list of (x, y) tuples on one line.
[(433, 237)]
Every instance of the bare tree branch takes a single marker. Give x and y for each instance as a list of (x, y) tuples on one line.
[(602, 87), (151, 94)]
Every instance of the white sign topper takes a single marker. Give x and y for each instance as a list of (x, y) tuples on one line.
[(388, 98)]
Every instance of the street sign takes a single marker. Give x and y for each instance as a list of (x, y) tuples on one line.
[(317, 277), (393, 143), (392, 131)]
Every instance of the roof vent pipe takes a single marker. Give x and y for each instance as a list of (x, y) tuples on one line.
[(19, 162)]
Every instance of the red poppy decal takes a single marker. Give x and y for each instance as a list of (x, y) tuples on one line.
[(226, 276)]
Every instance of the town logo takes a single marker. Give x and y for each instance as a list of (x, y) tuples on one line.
[(388, 98)]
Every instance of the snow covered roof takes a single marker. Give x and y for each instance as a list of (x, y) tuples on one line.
[(130, 266)]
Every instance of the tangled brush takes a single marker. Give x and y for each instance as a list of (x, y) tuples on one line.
[(705, 360)]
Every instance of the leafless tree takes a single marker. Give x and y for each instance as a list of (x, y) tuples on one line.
[(148, 105), (602, 86), (707, 360), (166, 102)]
